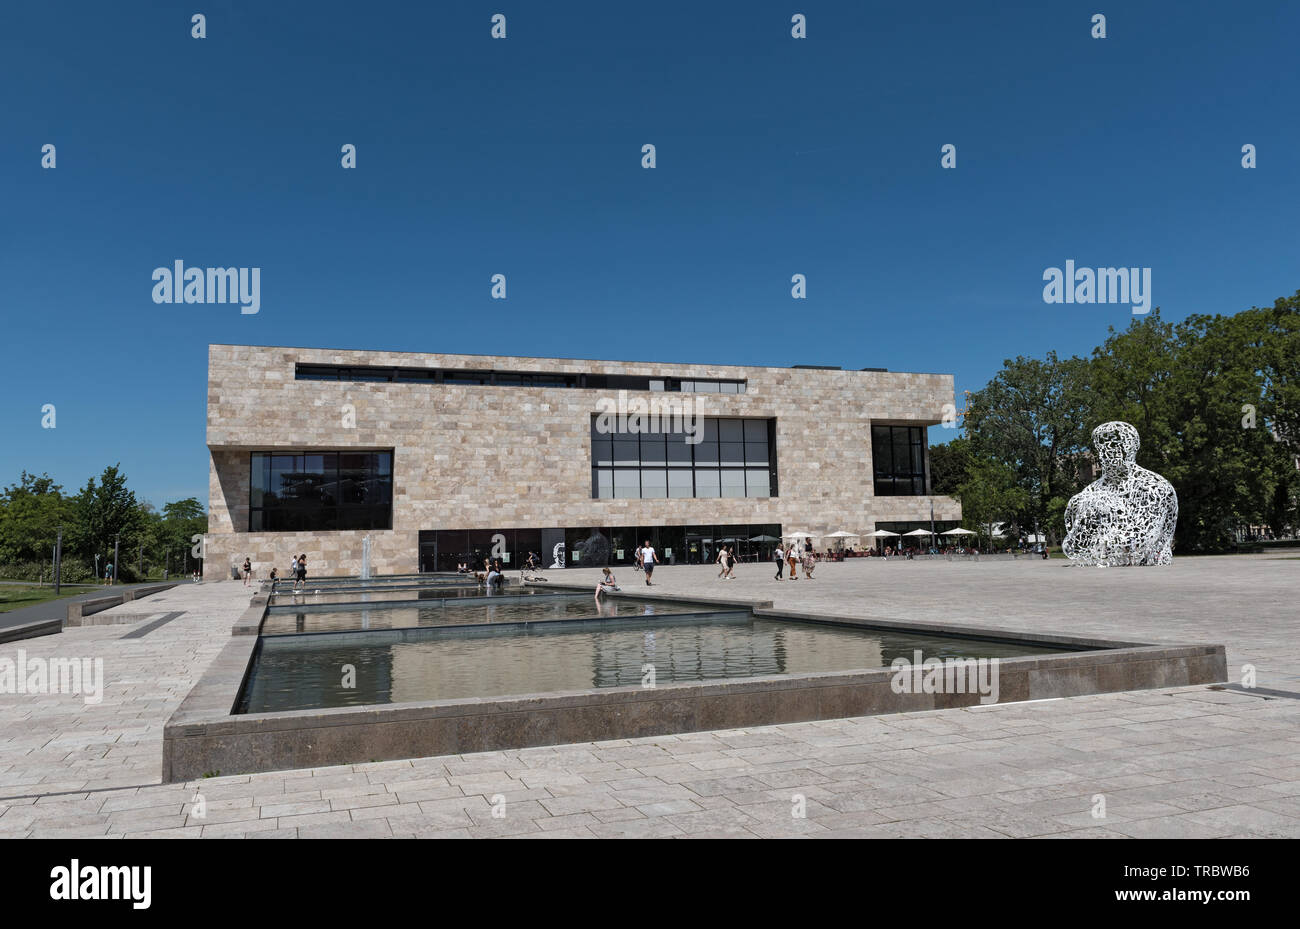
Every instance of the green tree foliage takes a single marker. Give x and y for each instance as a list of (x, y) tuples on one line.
[(1031, 417), (1278, 355), (991, 494), (181, 522), (1192, 390), (107, 511), (949, 464), (1215, 399), (33, 510), (30, 514)]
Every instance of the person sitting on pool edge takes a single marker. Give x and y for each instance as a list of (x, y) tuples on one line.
[(607, 582)]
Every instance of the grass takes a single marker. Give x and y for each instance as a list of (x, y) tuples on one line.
[(13, 597)]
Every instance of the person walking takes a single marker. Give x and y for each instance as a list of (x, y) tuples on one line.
[(809, 560), (248, 571), (648, 561), (636, 558), (792, 559), (108, 573), (301, 572), (779, 555), (722, 562)]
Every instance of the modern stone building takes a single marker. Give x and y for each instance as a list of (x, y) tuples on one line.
[(443, 459)]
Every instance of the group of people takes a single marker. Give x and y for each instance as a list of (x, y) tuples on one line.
[(493, 573), (297, 572), (727, 562), (798, 553)]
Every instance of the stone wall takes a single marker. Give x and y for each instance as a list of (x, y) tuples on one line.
[(478, 457)]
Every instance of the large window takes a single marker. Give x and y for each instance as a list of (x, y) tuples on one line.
[(733, 458), (320, 491), (493, 378), (899, 456)]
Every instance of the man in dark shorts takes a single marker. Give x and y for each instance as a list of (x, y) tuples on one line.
[(648, 559)]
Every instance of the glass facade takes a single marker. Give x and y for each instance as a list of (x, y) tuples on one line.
[(315, 491), (594, 546), (898, 455), (734, 458)]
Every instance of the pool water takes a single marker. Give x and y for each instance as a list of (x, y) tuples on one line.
[(502, 657), (313, 599), (480, 610)]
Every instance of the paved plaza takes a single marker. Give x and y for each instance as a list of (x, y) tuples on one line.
[(1174, 762)]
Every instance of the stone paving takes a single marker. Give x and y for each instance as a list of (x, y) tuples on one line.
[(1193, 761)]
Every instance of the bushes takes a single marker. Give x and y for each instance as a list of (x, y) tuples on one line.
[(75, 571)]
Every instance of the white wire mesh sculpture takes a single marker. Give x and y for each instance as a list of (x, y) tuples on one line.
[(1126, 516)]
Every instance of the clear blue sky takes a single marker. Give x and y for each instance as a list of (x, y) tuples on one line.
[(479, 156)]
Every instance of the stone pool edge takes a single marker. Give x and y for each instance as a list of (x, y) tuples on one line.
[(203, 738)]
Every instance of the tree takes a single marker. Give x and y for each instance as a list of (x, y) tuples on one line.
[(107, 511), (1278, 354), (181, 521), (989, 495), (1031, 418), (948, 466), (31, 512), (1185, 388)]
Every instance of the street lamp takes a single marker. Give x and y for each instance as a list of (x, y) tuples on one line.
[(58, 561)]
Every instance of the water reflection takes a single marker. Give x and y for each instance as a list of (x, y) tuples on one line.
[(430, 663)]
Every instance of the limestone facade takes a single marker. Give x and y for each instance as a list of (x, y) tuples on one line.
[(470, 457)]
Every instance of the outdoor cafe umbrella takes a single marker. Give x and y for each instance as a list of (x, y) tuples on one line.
[(957, 531), (840, 536), (764, 538), (882, 533), (918, 532)]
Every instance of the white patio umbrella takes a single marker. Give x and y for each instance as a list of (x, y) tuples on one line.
[(958, 531), (840, 536), (918, 533), (800, 535), (882, 533)]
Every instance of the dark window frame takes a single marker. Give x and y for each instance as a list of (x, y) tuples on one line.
[(888, 479), (769, 464), (477, 377), (339, 515)]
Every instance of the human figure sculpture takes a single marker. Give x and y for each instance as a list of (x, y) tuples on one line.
[(1125, 517)]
